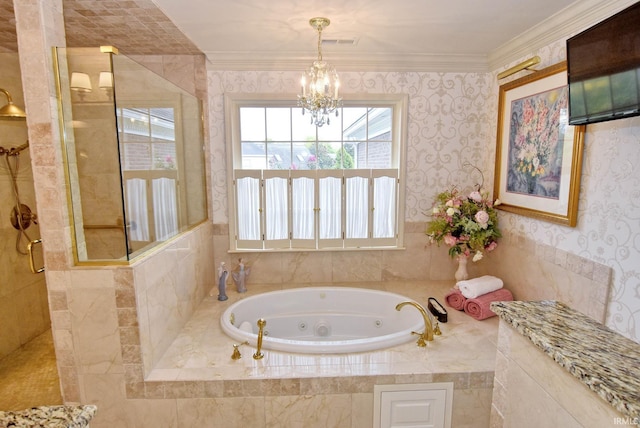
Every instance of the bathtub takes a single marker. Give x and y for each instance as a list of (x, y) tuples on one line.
[(323, 320)]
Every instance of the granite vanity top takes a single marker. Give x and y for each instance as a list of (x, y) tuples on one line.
[(605, 361), (49, 417)]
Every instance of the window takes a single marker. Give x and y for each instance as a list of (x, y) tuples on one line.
[(150, 173), (296, 186)]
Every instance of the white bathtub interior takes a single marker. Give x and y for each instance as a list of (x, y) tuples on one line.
[(323, 320)]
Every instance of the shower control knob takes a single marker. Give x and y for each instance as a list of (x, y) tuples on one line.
[(24, 218)]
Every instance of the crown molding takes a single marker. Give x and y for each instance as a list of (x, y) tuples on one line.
[(576, 17), (348, 62)]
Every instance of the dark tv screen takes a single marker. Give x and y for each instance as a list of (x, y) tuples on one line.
[(603, 69)]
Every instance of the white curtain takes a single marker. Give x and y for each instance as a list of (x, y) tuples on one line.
[(276, 208), (357, 207), (302, 200), (248, 197), (384, 201), (330, 203), (165, 207), (276, 201), (137, 209)]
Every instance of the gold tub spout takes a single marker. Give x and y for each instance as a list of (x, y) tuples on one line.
[(427, 335), (258, 355)]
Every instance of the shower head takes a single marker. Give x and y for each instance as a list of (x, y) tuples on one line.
[(11, 111)]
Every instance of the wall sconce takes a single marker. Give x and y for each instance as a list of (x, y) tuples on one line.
[(525, 65), (80, 82), (106, 80)]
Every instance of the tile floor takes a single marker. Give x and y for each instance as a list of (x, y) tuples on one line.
[(30, 376)]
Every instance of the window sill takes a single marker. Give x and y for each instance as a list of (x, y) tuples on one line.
[(312, 250)]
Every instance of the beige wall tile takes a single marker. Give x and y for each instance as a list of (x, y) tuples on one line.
[(319, 411), (95, 331), (221, 412), (361, 410), (152, 413), (471, 408)]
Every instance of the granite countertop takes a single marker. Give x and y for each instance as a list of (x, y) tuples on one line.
[(49, 416), (605, 361)]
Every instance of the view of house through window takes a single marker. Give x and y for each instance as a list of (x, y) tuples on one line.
[(282, 138), (150, 172), (298, 186), (148, 137)]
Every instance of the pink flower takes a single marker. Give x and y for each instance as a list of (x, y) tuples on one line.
[(492, 246), (454, 202), (450, 240), (476, 196), (482, 218)]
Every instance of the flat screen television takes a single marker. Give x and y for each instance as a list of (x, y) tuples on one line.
[(603, 69)]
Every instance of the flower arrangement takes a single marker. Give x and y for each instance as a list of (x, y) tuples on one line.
[(165, 163), (466, 223)]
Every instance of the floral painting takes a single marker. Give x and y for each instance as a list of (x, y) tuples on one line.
[(538, 154), (536, 139)]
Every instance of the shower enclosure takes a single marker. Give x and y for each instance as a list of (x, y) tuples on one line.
[(134, 154), (24, 309)]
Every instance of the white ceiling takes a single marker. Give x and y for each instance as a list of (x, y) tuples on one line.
[(389, 34)]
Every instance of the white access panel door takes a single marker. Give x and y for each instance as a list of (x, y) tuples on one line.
[(413, 405)]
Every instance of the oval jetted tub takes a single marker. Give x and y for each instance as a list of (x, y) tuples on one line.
[(323, 320)]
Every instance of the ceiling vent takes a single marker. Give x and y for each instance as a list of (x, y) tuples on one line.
[(339, 42)]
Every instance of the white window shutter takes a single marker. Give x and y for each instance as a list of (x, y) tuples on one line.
[(303, 209), (248, 209)]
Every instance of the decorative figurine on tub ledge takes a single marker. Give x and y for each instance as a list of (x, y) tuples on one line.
[(222, 282), (240, 276)]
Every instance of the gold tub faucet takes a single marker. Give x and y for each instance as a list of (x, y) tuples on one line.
[(258, 355), (427, 335)]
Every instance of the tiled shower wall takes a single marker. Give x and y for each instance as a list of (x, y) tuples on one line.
[(24, 311)]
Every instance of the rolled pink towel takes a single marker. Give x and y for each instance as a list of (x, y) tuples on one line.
[(455, 299), (478, 307)]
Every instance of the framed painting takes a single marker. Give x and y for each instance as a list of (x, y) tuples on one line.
[(538, 154)]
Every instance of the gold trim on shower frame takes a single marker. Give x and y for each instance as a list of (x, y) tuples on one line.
[(67, 178), (159, 245), (109, 49)]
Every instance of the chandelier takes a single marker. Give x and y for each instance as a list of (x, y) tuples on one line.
[(320, 84)]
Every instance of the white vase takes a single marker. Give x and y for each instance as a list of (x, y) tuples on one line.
[(461, 273)]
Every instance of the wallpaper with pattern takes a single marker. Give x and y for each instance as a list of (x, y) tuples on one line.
[(452, 123), (608, 229)]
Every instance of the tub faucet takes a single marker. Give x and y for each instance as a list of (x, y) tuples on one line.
[(236, 350), (258, 355), (427, 335)]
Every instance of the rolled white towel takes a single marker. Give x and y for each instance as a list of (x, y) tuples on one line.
[(246, 327), (472, 288)]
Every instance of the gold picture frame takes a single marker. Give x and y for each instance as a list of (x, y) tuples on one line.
[(538, 154)]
